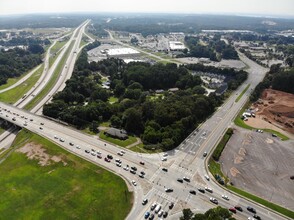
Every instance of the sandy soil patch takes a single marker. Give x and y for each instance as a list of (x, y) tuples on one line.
[(234, 171), (36, 152), (269, 141), (275, 110)]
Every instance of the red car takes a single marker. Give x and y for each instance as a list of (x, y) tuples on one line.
[(233, 210), (106, 159)]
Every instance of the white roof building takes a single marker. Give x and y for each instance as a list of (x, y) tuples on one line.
[(121, 51), (176, 45)]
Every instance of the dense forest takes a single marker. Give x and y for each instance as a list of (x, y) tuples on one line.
[(216, 45), (217, 213), (277, 78), (15, 62), (161, 120)]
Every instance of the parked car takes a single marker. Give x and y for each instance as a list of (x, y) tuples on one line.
[(147, 214), (171, 205), (239, 208), (145, 201), (192, 192), (233, 210)]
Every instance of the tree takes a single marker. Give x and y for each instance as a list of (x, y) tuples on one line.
[(187, 214), (132, 120), (115, 121), (36, 48)]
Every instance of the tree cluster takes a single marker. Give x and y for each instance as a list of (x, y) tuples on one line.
[(217, 213), (15, 62)]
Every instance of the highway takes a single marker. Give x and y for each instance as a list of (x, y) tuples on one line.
[(185, 161)]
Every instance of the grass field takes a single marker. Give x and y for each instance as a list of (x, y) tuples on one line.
[(52, 80), (118, 142), (242, 93), (11, 96), (70, 189), (140, 149)]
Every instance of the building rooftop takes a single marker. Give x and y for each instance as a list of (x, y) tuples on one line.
[(121, 51), (176, 45)]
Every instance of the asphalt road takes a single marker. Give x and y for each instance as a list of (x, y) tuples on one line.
[(186, 160)]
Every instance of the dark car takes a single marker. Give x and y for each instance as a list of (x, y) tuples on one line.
[(142, 172), (257, 217), (147, 215), (109, 156), (164, 169), (233, 210), (186, 179), (192, 192), (134, 168), (71, 144), (171, 205), (106, 159), (180, 180), (151, 217), (145, 201), (164, 214), (87, 151), (201, 190), (250, 209), (239, 208), (168, 190), (142, 162), (132, 171)]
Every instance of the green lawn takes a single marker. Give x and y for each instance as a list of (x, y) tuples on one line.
[(242, 93), (118, 142), (52, 80), (71, 189), (11, 96), (140, 149)]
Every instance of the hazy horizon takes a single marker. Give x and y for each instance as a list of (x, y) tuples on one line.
[(264, 8)]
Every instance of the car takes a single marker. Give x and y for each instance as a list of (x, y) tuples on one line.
[(257, 217), (206, 177), (55, 137), (142, 172), (151, 217), (99, 156), (107, 159), (186, 179), (134, 183), (201, 190), (192, 192), (41, 123), (13, 119), (134, 168), (251, 209), (31, 119), (168, 190), (126, 168), (165, 154), (153, 206), (208, 189), (164, 169), (239, 208), (118, 160), (25, 124), (61, 139), (213, 200), (71, 144), (78, 146), (274, 135), (292, 177), (118, 164), (40, 128), (93, 150), (180, 180), (120, 153), (98, 152), (87, 151), (232, 209), (132, 171), (160, 213), (142, 162), (93, 154), (164, 159), (109, 156), (145, 201), (225, 197), (165, 214), (147, 214), (204, 154), (171, 205)]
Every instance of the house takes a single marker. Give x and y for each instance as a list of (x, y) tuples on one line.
[(116, 133), (222, 89), (173, 89)]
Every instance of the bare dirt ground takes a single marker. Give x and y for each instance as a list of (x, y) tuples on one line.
[(36, 152), (260, 164), (274, 110)]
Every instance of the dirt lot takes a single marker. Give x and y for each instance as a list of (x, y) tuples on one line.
[(260, 164), (274, 109)]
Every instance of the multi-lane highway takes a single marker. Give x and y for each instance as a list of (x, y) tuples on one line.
[(160, 174)]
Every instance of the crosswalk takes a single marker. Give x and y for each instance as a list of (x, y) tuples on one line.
[(182, 170)]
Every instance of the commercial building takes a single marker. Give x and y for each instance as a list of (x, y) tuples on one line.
[(176, 46)]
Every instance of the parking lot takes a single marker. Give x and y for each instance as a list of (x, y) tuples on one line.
[(261, 164)]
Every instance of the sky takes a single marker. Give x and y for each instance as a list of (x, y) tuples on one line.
[(283, 8)]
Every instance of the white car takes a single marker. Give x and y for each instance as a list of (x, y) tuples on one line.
[(120, 153), (126, 168), (206, 177), (165, 154), (164, 159), (78, 147), (208, 189), (225, 197), (134, 183)]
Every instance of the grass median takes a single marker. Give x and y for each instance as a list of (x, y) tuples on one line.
[(242, 93), (63, 186), (12, 95), (52, 80)]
